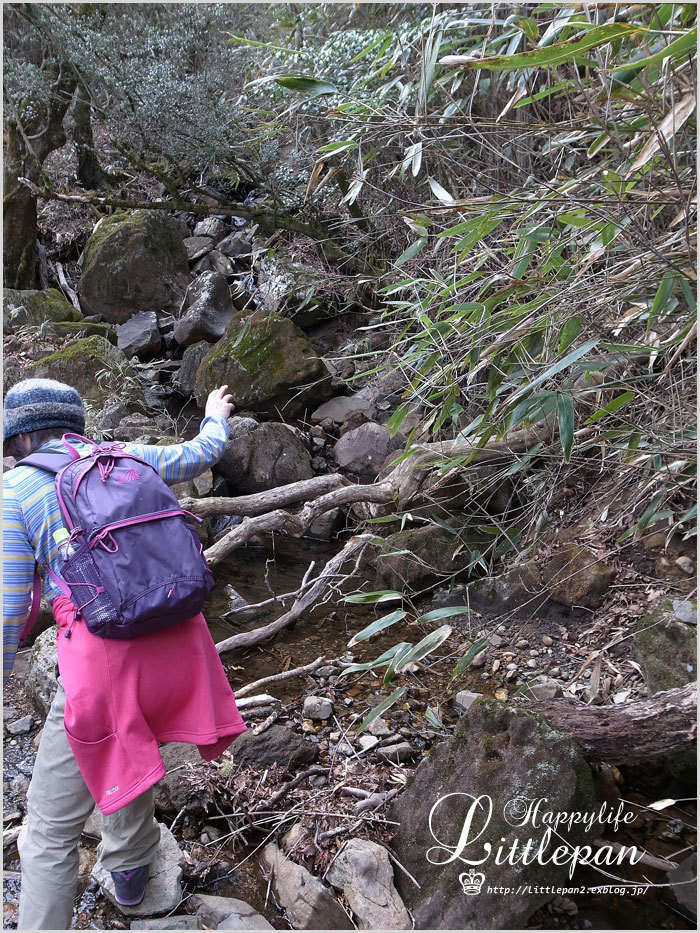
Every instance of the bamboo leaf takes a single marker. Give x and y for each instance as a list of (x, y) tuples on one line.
[(380, 708), (440, 192), (377, 626), (558, 54), (676, 49), (565, 409), (464, 663), (411, 251)]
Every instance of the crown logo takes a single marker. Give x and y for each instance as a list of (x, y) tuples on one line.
[(471, 881)]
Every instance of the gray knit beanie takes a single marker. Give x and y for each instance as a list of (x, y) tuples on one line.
[(35, 404)]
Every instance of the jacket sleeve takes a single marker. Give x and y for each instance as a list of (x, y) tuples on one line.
[(18, 578), (179, 462)]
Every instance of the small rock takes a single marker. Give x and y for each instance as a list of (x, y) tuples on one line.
[(522, 643), (564, 905), (495, 666), (210, 227), (317, 708), (480, 659), (368, 741), (363, 872), (293, 837), (464, 699), (532, 663), (496, 641), (20, 726), (402, 751), (8, 713), (326, 670), (547, 641), (379, 727), (686, 565), (307, 725), (546, 690)]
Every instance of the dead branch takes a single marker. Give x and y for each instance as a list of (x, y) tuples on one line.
[(261, 502), (631, 733), (284, 675), (352, 551), (278, 520)]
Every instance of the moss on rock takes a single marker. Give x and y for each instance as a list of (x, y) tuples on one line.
[(33, 308), (79, 329), (261, 359), (666, 648), (134, 262), (78, 365)]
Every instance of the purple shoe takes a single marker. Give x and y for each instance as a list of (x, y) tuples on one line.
[(130, 886)]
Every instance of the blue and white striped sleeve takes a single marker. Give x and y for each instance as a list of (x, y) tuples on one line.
[(179, 462), (17, 577)]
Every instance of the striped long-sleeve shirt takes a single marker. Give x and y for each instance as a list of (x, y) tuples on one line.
[(31, 515)]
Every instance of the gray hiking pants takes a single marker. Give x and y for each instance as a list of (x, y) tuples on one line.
[(59, 803)]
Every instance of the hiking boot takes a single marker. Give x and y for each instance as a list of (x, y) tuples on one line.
[(130, 886)]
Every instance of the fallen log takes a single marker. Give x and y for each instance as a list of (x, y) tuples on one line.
[(631, 733)]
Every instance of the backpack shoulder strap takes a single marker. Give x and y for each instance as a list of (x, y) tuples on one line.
[(49, 460)]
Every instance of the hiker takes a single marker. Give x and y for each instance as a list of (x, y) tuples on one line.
[(116, 698)]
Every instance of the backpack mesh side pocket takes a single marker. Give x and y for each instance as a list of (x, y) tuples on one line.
[(83, 579)]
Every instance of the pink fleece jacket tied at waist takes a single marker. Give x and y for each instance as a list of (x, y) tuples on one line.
[(123, 697)]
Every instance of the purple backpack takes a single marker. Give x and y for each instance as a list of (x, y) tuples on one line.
[(136, 564)]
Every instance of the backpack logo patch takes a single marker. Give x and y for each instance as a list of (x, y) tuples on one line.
[(131, 476)]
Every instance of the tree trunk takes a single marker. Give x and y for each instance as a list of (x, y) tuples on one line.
[(27, 149), (90, 172), (632, 733), (19, 252)]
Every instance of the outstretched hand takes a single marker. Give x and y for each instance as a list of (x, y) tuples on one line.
[(219, 403)]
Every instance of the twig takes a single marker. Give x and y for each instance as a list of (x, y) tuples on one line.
[(263, 804), (284, 675)]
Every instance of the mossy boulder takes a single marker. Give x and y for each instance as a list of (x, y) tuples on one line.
[(416, 557), (79, 329), (508, 759), (33, 307), (305, 295), (268, 363), (134, 262), (666, 646), (575, 576), (78, 365)]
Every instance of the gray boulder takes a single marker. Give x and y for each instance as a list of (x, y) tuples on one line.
[(683, 893), (175, 791), (191, 360), (212, 227), (235, 245), (498, 759), (309, 905), (207, 310), (277, 745), (173, 922), (340, 408), (133, 262), (197, 246), (270, 455), (163, 891), (140, 336), (363, 872), (227, 913), (41, 676), (363, 450)]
